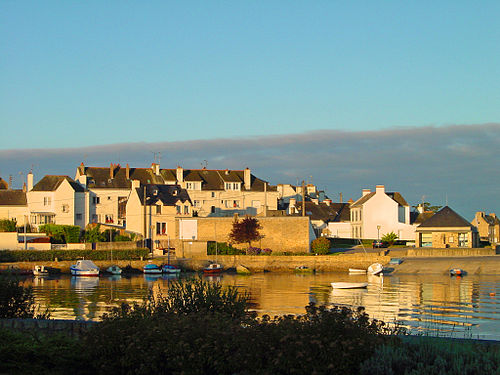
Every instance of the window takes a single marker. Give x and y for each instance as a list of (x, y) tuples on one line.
[(109, 198), (158, 209), (189, 186), (212, 210), (109, 218), (94, 218), (161, 228), (197, 203), (186, 210), (228, 185), (236, 204), (78, 216), (178, 209), (65, 208), (47, 201), (96, 200), (213, 194)]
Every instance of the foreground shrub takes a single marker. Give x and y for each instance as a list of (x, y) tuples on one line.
[(201, 329), (7, 225), (26, 353), (320, 246), (434, 356), (16, 301), (61, 233)]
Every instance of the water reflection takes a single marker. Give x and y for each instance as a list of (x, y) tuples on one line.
[(466, 307)]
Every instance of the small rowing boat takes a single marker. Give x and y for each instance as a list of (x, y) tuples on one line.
[(347, 285)]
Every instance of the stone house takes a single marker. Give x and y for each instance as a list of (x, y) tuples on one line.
[(446, 229), (56, 200), (488, 227), (157, 212), (379, 212), (212, 192)]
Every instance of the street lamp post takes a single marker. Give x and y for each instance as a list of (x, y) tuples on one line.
[(378, 232)]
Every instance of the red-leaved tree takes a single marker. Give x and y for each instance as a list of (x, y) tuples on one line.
[(246, 230)]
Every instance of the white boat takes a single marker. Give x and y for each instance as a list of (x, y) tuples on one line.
[(114, 270), (347, 285), (356, 270), (212, 268), (375, 269), (84, 268), (40, 271)]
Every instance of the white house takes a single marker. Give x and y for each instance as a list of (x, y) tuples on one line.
[(378, 213)]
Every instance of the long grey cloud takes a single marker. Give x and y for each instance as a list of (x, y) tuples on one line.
[(458, 164)]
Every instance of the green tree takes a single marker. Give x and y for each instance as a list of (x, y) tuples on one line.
[(7, 225), (390, 238), (93, 234), (428, 207), (245, 231), (320, 246)]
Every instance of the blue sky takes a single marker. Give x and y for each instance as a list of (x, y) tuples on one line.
[(354, 94), (93, 73)]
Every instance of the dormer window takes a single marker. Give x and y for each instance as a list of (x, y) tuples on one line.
[(233, 185)]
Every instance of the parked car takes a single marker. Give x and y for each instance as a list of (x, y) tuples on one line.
[(378, 244)]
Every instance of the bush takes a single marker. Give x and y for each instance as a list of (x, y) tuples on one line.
[(322, 341), (17, 301), (320, 246), (7, 225), (28, 353), (253, 251), (61, 233), (427, 355), (222, 249), (50, 255), (390, 238)]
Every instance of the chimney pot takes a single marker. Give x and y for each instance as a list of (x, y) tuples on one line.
[(127, 171), (366, 192)]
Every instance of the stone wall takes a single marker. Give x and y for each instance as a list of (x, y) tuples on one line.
[(449, 252), (280, 234)]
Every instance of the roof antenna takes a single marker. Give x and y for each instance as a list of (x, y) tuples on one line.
[(446, 199)]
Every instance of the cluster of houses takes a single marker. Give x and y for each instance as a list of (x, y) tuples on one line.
[(157, 203)]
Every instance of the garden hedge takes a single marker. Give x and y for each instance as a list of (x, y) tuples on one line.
[(50, 255)]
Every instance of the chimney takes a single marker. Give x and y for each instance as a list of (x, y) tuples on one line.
[(127, 172), (82, 168), (180, 174), (247, 178), (111, 170), (420, 208), (493, 215), (380, 189), (24, 187), (366, 192), (136, 184), (155, 168), (29, 180), (82, 179), (328, 202)]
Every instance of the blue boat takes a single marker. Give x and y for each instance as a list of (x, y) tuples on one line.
[(151, 268), (171, 269)]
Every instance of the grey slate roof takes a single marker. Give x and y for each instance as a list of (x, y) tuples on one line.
[(51, 183), (13, 198), (418, 218), (336, 212), (100, 177), (445, 218), (169, 195)]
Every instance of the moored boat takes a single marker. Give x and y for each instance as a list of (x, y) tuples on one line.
[(170, 269), (347, 285), (84, 268), (212, 268), (114, 270), (40, 271), (152, 268), (303, 269), (356, 270), (375, 269)]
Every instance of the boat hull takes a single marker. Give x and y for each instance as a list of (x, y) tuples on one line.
[(356, 270), (375, 269), (77, 272), (346, 285)]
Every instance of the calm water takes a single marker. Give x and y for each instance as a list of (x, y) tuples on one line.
[(460, 307)]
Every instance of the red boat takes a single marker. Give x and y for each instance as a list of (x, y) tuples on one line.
[(213, 268)]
